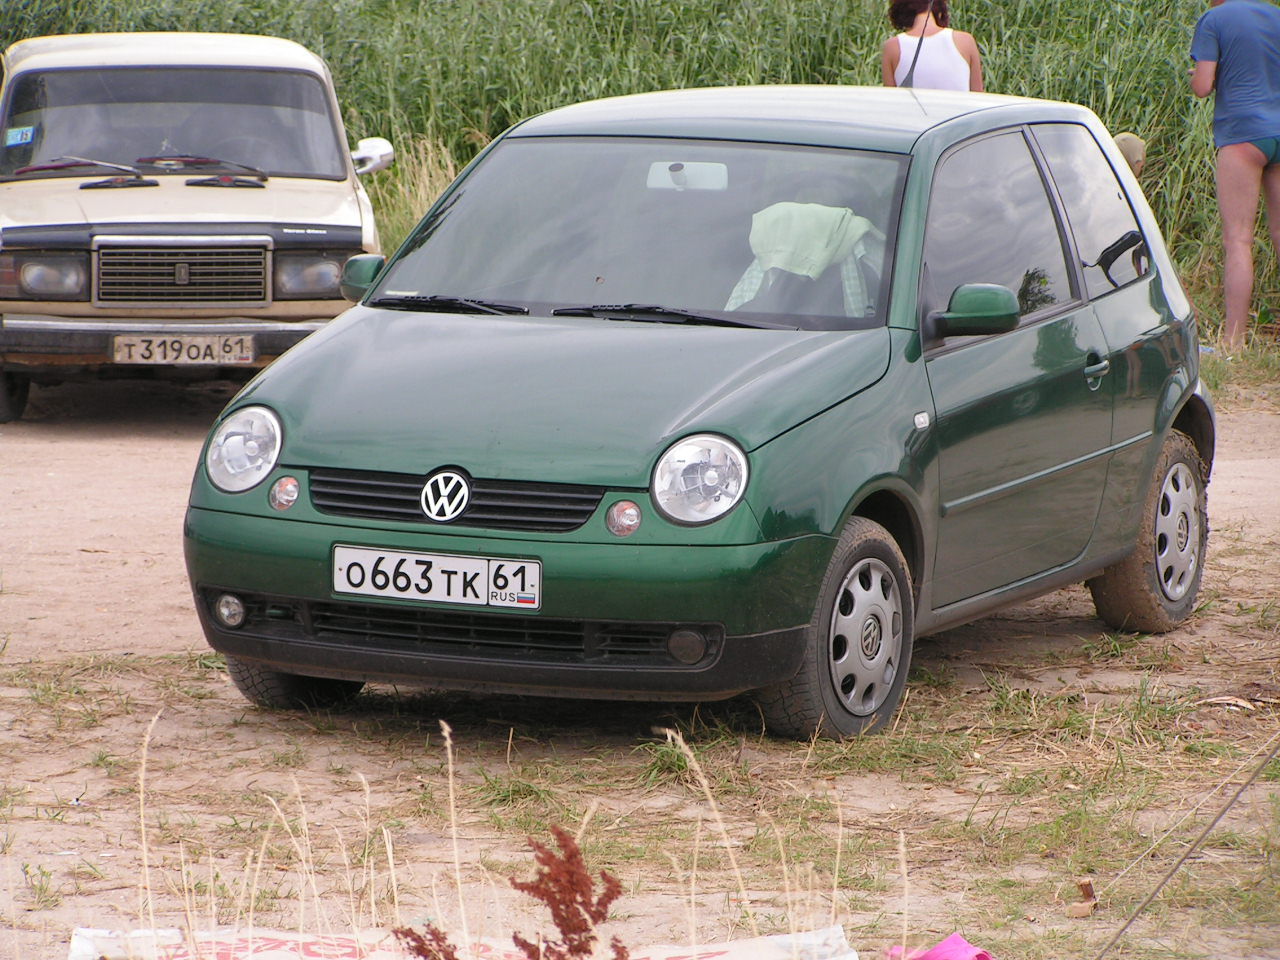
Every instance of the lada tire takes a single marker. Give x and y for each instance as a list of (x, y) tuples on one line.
[(14, 390), (1155, 588), (289, 691), (857, 647)]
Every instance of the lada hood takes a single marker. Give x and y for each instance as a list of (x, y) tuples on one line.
[(569, 400), (59, 201)]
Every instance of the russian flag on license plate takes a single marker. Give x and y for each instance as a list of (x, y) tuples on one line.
[(528, 598)]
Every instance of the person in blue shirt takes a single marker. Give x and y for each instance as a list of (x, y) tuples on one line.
[(1236, 54)]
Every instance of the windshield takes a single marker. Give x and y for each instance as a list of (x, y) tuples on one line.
[(277, 121), (730, 230)]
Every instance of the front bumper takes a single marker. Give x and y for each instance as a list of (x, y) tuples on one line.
[(34, 344), (601, 632)]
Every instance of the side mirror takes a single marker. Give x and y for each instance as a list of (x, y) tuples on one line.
[(358, 273), (373, 153), (979, 309)]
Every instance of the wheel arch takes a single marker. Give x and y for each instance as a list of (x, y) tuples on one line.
[(1196, 420), (897, 515)]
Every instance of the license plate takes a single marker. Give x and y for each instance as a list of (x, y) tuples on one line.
[(184, 349), (440, 577)]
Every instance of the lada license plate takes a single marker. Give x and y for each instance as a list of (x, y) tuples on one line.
[(184, 349), (443, 578)]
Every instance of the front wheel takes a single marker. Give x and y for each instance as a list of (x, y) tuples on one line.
[(289, 691), (857, 646), (1155, 588), (14, 390)]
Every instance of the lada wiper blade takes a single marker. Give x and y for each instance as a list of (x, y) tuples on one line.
[(194, 160), (68, 162), (446, 304), (110, 183), (661, 314), (225, 180)]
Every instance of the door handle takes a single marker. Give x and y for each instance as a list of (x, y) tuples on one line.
[(1099, 369)]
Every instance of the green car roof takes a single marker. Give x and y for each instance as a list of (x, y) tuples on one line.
[(877, 118)]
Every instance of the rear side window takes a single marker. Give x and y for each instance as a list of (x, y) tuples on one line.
[(990, 221), (1111, 247)]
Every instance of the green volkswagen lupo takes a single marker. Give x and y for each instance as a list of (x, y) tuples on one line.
[(684, 395)]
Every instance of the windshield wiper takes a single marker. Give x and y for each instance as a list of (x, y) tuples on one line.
[(192, 160), (446, 304), (66, 163), (661, 314)]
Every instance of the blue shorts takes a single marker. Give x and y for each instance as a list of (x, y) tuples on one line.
[(1270, 147)]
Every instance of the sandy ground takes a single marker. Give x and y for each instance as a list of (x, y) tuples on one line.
[(93, 486)]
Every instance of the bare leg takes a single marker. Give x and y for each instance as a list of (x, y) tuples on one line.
[(1240, 167), (1271, 191)]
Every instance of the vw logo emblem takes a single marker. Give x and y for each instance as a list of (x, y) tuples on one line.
[(445, 495)]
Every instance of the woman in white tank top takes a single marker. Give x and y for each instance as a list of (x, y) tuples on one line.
[(948, 60)]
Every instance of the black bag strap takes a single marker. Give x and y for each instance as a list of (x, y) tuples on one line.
[(911, 71)]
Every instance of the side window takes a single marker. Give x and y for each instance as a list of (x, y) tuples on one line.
[(1112, 250), (990, 221)]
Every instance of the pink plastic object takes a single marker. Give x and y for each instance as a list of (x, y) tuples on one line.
[(955, 947)]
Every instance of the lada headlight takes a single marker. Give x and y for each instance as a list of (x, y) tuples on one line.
[(309, 276), (699, 479), (41, 276), (244, 449)]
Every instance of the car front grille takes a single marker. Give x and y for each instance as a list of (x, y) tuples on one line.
[(495, 504), (421, 630), (186, 275)]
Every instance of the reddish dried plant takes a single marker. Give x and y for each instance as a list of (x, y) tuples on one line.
[(432, 944), (566, 888)]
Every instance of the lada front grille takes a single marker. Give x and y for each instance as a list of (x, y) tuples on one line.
[(192, 276), (495, 504)]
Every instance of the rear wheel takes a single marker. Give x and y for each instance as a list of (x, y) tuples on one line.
[(14, 390), (1155, 588), (858, 645), (289, 691)]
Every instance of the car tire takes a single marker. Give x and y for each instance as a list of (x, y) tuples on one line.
[(14, 390), (1155, 588), (857, 647), (289, 691)]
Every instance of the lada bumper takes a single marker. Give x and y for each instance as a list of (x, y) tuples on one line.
[(34, 344)]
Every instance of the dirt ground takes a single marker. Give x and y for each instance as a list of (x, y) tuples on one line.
[(112, 716)]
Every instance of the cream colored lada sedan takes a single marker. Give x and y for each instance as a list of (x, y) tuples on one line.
[(171, 204)]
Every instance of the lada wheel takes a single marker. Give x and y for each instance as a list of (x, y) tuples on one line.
[(14, 389), (288, 691), (1155, 588), (858, 645)]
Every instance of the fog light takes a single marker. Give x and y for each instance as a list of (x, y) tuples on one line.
[(687, 645), (284, 493), (229, 609), (623, 518)]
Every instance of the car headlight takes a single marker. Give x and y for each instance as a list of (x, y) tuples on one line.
[(244, 449), (39, 276), (309, 276), (699, 478)]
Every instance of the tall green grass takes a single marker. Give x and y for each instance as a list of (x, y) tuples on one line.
[(458, 72)]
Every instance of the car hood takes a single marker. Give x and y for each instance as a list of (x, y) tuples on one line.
[(60, 201), (568, 400)]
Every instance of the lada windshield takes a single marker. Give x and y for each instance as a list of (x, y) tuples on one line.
[(276, 121), (663, 230)]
